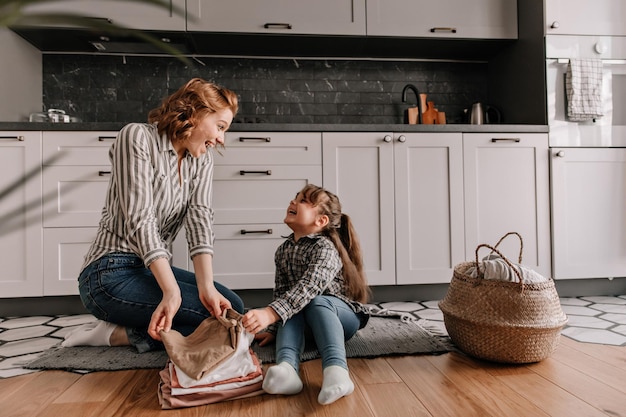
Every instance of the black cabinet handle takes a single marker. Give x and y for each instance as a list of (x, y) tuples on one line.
[(268, 172), (244, 139), (246, 232), (277, 26), (103, 138), (439, 29), (103, 173), (516, 140)]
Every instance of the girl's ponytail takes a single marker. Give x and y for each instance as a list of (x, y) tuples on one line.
[(342, 233)]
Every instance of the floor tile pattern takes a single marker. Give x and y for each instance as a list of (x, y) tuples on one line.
[(591, 319)]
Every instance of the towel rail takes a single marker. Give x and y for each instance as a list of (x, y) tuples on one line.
[(604, 61)]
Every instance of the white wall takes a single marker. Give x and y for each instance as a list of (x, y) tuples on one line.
[(20, 78)]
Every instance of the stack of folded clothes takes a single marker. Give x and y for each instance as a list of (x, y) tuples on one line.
[(214, 363)]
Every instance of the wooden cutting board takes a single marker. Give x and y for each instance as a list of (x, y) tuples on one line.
[(429, 116), (412, 115)]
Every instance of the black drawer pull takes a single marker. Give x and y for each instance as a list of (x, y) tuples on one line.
[(268, 172), (449, 30), (516, 140), (267, 232), (103, 173), (277, 26), (103, 138), (243, 139), (20, 138)]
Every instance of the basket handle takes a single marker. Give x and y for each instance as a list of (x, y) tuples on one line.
[(493, 249), (521, 244)]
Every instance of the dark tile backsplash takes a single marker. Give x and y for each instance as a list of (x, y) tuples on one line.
[(124, 89)]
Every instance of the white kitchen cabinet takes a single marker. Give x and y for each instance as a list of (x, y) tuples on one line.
[(429, 207), (323, 17), (585, 17), (588, 187), (358, 167), (132, 14), (64, 250), (75, 195), (20, 215), (254, 180), (488, 19), (404, 194), (76, 174), (507, 190)]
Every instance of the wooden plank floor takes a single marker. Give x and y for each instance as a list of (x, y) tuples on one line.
[(578, 380)]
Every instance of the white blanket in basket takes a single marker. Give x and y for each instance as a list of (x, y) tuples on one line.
[(493, 267)]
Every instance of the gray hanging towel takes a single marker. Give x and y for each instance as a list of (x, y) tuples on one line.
[(583, 85)]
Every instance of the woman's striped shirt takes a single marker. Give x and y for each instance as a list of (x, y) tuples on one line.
[(148, 202)]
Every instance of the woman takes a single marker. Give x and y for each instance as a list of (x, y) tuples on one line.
[(320, 287), (161, 180)]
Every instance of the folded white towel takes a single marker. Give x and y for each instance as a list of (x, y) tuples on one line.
[(583, 85)]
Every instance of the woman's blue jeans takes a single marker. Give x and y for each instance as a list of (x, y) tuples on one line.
[(118, 288), (329, 320)]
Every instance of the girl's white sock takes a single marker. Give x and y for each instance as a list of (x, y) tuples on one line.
[(96, 333), (282, 379), (336, 384)]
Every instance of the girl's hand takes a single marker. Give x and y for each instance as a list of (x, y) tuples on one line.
[(264, 338), (164, 314), (258, 319), (213, 300)]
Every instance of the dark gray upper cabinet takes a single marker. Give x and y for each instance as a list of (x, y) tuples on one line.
[(321, 17), (476, 19), (446, 29), (131, 14)]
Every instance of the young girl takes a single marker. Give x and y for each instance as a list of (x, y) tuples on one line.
[(319, 288)]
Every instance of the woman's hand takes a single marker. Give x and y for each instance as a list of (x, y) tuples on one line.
[(258, 319), (164, 313), (264, 338), (213, 300), (210, 297)]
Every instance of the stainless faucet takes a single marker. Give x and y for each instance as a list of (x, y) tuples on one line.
[(419, 102)]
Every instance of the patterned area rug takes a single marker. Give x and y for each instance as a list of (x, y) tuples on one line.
[(383, 336)]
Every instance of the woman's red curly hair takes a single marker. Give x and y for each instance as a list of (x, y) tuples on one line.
[(179, 113)]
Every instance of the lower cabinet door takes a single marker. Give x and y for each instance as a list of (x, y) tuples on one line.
[(244, 254), (258, 194), (74, 195), (429, 206), (588, 205), (20, 214), (506, 181), (359, 168), (64, 250), (250, 202)]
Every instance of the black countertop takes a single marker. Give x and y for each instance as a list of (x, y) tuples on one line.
[(280, 127)]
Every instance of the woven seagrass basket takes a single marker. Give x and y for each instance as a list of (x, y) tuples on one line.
[(502, 321)]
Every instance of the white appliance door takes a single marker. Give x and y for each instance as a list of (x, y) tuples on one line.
[(606, 131)]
